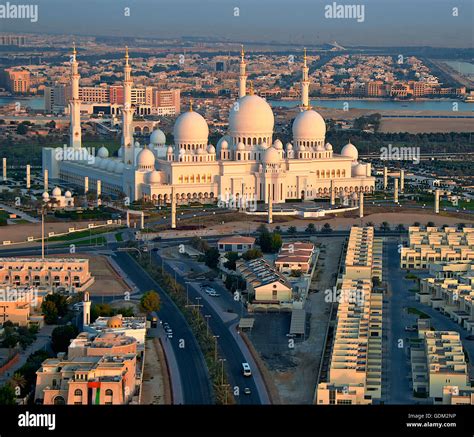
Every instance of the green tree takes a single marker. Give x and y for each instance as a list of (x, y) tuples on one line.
[(211, 257), (7, 394), (22, 129), (150, 301), (101, 310), (310, 229), (252, 254), (50, 312), (327, 227), (276, 242), (232, 258), (62, 336), (292, 230)]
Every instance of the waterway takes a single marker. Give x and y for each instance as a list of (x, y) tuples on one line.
[(382, 105)]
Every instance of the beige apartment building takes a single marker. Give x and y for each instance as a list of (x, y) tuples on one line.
[(70, 273), (98, 371), (355, 368), (438, 363), (436, 245), (363, 255)]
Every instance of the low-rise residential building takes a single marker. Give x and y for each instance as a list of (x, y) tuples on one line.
[(98, 370), (436, 245), (21, 306), (70, 273), (235, 243), (265, 285), (454, 395), (438, 363), (295, 256), (332, 394)]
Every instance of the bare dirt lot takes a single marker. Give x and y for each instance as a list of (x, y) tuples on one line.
[(295, 370)]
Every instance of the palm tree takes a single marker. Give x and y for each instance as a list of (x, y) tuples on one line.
[(18, 380)]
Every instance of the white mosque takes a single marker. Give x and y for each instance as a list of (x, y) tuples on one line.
[(246, 163)]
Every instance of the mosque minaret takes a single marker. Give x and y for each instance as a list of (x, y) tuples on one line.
[(127, 113), (247, 162), (75, 134), (242, 74)]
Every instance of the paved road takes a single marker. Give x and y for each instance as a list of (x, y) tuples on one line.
[(227, 343), (192, 367)]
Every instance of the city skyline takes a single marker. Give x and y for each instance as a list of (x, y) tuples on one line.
[(386, 23)]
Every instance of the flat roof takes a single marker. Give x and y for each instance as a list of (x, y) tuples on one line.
[(298, 321)]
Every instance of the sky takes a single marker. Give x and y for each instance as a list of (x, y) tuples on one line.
[(386, 22)]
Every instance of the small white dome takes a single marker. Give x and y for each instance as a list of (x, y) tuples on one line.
[(359, 170), (103, 164), (158, 138), (320, 148), (289, 146), (154, 177), (182, 151), (103, 152), (45, 195), (119, 166), (278, 145), (201, 151), (68, 194), (169, 149), (240, 146), (137, 145), (56, 192), (271, 156), (328, 147), (302, 148), (110, 166), (190, 127), (146, 159), (263, 145), (211, 149), (350, 151), (224, 145)]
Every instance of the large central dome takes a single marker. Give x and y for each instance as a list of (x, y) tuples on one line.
[(309, 126), (251, 115)]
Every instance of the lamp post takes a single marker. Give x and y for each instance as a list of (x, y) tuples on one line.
[(222, 370), (215, 346), (207, 316)]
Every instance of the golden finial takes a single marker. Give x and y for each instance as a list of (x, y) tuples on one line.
[(74, 48), (242, 53), (304, 56), (126, 52), (191, 105), (251, 87)]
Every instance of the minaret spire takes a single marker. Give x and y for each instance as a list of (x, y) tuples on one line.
[(75, 134), (127, 111), (242, 74), (305, 84)]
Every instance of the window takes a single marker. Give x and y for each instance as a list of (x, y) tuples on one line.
[(77, 392), (108, 392)]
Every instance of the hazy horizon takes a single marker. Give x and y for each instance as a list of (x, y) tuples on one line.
[(386, 22)]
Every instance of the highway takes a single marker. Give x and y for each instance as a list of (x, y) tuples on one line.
[(192, 367), (226, 342)]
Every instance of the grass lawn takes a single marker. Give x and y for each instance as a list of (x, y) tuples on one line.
[(119, 237), (417, 312), (80, 234)]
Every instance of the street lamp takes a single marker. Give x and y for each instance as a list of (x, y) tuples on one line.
[(222, 369), (215, 346), (207, 316)]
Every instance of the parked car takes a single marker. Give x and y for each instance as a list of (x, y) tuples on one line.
[(247, 391)]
